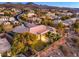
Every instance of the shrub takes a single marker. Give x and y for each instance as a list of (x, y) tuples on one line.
[(39, 45)]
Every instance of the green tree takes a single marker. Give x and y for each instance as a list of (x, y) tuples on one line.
[(7, 13), (60, 28), (53, 37), (65, 17), (29, 36), (49, 35), (38, 45), (21, 43), (47, 22), (76, 26), (60, 25), (1, 28), (18, 46), (23, 17)]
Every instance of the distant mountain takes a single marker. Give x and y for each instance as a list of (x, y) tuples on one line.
[(32, 5)]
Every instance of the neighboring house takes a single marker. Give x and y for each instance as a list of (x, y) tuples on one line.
[(69, 21), (7, 26), (65, 11), (1, 13), (51, 15), (69, 14), (4, 44), (66, 14), (57, 21), (43, 16), (15, 10), (11, 19), (20, 29), (34, 19), (3, 19), (16, 22), (77, 13), (31, 14)]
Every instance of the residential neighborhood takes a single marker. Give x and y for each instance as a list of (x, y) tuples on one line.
[(32, 30)]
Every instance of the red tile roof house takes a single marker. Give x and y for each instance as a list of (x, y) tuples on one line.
[(39, 30), (1, 13)]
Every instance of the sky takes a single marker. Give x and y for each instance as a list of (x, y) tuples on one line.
[(59, 4)]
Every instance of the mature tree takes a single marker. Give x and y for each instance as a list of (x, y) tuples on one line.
[(49, 35), (1, 28), (38, 45), (7, 27), (76, 26), (18, 45), (29, 37), (23, 17), (60, 28), (53, 37), (21, 43), (47, 22), (7, 13), (65, 17), (60, 25)]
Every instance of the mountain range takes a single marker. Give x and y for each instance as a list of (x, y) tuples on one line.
[(32, 5)]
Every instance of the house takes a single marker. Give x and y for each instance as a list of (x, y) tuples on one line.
[(35, 19), (31, 14), (38, 30), (57, 21), (69, 21), (69, 14), (51, 15), (1, 13), (32, 28), (15, 10), (3, 19), (66, 14), (7, 26), (11, 19), (6, 19), (16, 23), (65, 11), (20, 29), (77, 13)]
